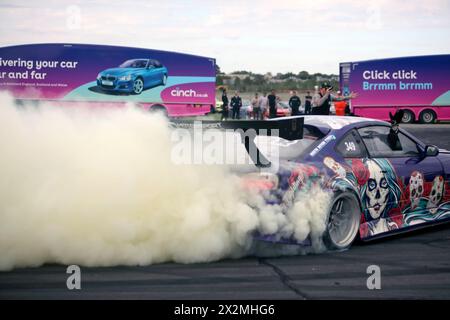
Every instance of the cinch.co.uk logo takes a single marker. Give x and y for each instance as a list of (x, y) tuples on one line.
[(177, 92)]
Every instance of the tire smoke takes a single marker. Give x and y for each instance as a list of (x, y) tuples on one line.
[(98, 188)]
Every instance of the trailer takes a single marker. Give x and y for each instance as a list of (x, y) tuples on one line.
[(418, 85), (173, 83)]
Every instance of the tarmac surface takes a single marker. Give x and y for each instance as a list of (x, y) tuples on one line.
[(412, 266)]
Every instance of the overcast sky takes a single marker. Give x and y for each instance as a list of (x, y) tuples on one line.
[(260, 36)]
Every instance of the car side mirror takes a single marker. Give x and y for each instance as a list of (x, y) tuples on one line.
[(431, 151)]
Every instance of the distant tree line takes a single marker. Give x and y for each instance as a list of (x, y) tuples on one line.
[(246, 81)]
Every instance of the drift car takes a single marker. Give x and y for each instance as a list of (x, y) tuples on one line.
[(382, 181), (133, 76)]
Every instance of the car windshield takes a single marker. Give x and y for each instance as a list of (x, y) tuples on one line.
[(135, 63)]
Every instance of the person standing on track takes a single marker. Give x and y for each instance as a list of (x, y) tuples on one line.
[(294, 104), (256, 107), (263, 105), (340, 105), (272, 101), (236, 104), (225, 110), (308, 99), (322, 99)]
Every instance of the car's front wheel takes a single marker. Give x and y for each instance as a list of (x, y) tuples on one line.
[(138, 86), (343, 221), (164, 80)]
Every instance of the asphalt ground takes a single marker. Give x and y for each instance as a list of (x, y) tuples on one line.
[(412, 266)]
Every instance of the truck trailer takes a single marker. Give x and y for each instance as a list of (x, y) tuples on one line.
[(173, 83), (418, 85)]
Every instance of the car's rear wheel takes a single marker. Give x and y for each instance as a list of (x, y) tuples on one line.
[(408, 116), (138, 86), (343, 221)]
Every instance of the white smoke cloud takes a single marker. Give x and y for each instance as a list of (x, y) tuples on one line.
[(98, 188)]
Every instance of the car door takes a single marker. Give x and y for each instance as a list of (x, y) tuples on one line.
[(140, 70), (407, 171), (147, 73), (159, 71)]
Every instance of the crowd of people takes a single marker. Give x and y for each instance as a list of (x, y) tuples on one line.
[(265, 105)]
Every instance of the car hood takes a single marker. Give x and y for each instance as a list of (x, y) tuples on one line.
[(119, 71)]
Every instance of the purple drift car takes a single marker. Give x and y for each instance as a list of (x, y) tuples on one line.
[(382, 181)]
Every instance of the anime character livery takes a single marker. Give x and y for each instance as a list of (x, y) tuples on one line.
[(382, 179), (133, 76)]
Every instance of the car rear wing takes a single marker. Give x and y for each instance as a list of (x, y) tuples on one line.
[(289, 129)]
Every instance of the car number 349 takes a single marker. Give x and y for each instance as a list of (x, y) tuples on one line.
[(350, 146)]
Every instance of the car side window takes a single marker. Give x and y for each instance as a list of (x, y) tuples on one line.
[(376, 140), (350, 146), (157, 64)]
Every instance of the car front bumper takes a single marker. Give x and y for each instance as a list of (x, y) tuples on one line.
[(116, 85)]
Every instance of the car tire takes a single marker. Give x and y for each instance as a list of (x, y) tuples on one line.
[(408, 116), (343, 221), (138, 86), (164, 80), (427, 116)]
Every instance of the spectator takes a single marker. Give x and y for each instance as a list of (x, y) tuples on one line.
[(256, 107), (263, 105), (340, 105), (348, 111), (236, 104), (295, 103), (225, 110), (308, 99), (322, 100), (272, 101)]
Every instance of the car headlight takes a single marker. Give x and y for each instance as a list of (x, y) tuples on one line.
[(99, 76), (125, 78)]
